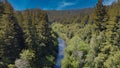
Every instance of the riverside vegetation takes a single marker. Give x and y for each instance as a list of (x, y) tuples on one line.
[(92, 37)]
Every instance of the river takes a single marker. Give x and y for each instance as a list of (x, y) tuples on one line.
[(60, 56)]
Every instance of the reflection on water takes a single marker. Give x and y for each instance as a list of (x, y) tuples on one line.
[(60, 53)]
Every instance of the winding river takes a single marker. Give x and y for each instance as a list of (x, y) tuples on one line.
[(60, 56)]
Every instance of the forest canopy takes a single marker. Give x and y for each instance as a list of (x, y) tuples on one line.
[(29, 38)]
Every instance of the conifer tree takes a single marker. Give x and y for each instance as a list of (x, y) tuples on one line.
[(13, 36), (101, 15), (1, 8)]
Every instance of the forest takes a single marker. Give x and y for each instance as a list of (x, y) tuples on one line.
[(29, 38), (26, 40)]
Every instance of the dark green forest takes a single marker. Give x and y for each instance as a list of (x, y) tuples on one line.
[(28, 39)]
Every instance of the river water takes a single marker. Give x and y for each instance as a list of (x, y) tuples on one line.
[(60, 56)]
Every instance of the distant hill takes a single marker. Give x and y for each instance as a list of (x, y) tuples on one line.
[(67, 16)]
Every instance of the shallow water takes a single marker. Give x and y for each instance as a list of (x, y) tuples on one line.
[(60, 56)]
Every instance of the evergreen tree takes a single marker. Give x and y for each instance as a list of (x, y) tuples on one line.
[(101, 15), (13, 41), (1, 8), (38, 37)]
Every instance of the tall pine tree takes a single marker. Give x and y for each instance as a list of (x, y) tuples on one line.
[(101, 15), (13, 41)]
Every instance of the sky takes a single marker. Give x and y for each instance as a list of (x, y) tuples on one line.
[(55, 4)]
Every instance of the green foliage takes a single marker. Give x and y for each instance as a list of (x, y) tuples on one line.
[(101, 16), (92, 37), (27, 55), (78, 43), (70, 62), (11, 66), (26, 35), (101, 12), (76, 46), (11, 35), (39, 37), (94, 41), (113, 60)]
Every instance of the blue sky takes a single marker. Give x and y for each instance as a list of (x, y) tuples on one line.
[(55, 4)]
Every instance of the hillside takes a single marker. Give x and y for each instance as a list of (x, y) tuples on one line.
[(68, 16)]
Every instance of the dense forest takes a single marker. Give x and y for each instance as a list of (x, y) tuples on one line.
[(28, 38), (68, 16), (92, 38)]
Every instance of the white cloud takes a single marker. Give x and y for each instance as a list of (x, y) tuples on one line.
[(109, 2), (47, 8), (65, 4)]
